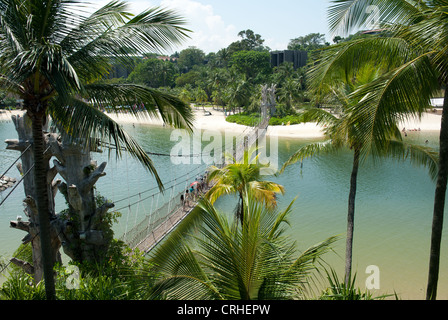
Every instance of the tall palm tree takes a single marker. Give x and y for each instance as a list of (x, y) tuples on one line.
[(290, 92), (416, 47), (346, 132), (238, 93), (51, 56), (240, 176), (221, 261)]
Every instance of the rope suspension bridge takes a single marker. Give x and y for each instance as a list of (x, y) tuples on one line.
[(161, 220), (164, 215), (169, 207)]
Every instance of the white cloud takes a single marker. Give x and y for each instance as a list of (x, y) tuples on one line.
[(275, 44), (209, 31)]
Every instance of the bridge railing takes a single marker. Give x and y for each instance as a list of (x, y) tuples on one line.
[(159, 217)]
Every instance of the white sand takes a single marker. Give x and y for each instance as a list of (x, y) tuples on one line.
[(217, 121), (5, 115), (428, 122)]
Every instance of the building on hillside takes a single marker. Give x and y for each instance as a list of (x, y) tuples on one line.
[(167, 58), (298, 58)]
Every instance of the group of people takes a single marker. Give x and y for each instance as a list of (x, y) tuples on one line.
[(194, 192), (406, 134)]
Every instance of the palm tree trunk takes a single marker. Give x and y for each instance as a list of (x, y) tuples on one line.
[(351, 217), (439, 206), (240, 210), (43, 205)]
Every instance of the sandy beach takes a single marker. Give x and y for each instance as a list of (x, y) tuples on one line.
[(217, 121)]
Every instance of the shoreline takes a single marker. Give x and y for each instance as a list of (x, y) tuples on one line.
[(429, 122)]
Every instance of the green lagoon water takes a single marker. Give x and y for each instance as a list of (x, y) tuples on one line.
[(393, 207)]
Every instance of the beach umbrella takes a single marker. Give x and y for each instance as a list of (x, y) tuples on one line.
[(194, 183)]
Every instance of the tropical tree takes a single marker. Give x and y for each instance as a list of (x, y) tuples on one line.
[(309, 42), (289, 93), (238, 177), (255, 65), (415, 45), (238, 93), (208, 257), (346, 132), (189, 58), (250, 41), (154, 73), (51, 56)]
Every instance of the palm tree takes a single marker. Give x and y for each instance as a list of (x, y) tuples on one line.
[(240, 176), (238, 93), (220, 261), (51, 56), (289, 93), (416, 47), (344, 131)]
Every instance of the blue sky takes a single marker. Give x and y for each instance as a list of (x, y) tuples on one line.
[(216, 23)]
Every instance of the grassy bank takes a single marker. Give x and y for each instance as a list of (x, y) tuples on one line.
[(254, 118)]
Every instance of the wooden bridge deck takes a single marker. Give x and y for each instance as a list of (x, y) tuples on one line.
[(159, 233), (162, 230)]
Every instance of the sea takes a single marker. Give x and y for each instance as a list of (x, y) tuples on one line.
[(393, 215)]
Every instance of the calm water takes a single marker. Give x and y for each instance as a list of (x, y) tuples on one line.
[(393, 207)]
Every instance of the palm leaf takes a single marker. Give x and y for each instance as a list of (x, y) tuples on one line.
[(254, 262), (310, 150), (346, 16), (416, 154), (80, 119), (401, 94), (113, 32), (157, 104)]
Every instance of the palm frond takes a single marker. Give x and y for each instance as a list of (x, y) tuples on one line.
[(416, 154), (403, 93), (345, 61), (254, 262), (157, 104), (346, 16), (80, 119), (310, 150), (112, 32)]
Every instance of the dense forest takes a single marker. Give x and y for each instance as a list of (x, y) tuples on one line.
[(230, 78)]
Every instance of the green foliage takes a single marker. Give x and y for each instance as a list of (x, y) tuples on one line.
[(244, 119), (339, 290), (255, 65), (250, 41), (115, 279), (309, 42), (154, 73), (253, 119), (287, 120), (7, 101), (190, 57), (190, 78), (212, 257), (22, 287)]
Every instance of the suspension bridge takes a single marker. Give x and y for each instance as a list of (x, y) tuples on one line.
[(156, 225), (164, 215)]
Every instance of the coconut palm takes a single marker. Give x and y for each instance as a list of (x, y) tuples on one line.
[(238, 93), (416, 46), (239, 176), (289, 93), (220, 261), (51, 56), (345, 132)]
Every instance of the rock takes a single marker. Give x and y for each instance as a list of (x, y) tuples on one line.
[(6, 182)]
